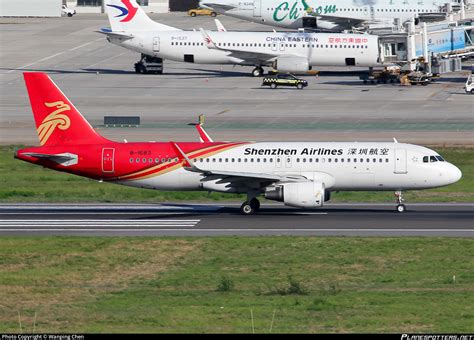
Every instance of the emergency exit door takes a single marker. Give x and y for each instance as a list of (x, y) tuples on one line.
[(400, 161), (108, 155), (156, 44)]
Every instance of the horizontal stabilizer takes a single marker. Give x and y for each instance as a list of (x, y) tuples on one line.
[(112, 34), (65, 159)]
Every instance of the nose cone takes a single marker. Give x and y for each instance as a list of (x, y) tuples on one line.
[(454, 174)]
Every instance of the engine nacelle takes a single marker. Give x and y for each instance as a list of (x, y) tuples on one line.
[(299, 194), (292, 64)]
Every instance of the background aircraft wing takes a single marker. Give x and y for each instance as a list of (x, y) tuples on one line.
[(340, 22), (250, 57)]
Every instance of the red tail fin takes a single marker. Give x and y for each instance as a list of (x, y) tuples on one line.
[(57, 120)]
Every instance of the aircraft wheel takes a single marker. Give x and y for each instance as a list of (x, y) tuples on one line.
[(193, 14), (257, 72), (255, 204), (69, 14), (213, 14), (401, 208), (247, 209)]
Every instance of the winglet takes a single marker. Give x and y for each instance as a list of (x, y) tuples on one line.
[(207, 39), (188, 164), (219, 26), (203, 135)]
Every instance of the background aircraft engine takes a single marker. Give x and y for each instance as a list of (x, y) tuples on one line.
[(299, 194), (292, 64)]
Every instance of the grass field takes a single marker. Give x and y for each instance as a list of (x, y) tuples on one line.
[(24, 182), (74, 284)]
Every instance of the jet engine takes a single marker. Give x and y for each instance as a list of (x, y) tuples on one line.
[(292, 64), (299, 194)]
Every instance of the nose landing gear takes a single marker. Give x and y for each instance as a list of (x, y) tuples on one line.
[(399, 199)]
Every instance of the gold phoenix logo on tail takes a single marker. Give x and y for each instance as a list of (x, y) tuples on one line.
[(53, 120)]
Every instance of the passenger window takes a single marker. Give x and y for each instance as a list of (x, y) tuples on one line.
[(144, 160), (150, 160), (131, 160), (157, 160)]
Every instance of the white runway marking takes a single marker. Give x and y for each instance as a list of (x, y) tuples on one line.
[(68, 225), (53, 56)]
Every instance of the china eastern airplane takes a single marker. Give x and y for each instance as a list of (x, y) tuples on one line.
[(333, 15), (287, 52), (299, 174)]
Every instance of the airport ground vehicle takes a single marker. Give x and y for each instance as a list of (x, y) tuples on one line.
[(284, 80), (469, 87), (67, 11), (299, 174), (420, 78), (149, 64), (380, 76), (201, 11)]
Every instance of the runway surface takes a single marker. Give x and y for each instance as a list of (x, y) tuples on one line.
[(452, 220)]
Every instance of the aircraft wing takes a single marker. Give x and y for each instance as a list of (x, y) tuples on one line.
[(251, 57), (220, 8), (342, 22), (232, 176)]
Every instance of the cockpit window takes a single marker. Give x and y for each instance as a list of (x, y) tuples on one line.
[(433, 159), (426, 159), (439, 158)]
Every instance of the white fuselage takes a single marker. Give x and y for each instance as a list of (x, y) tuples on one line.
[(290, 13), (321, 49), (340, 166)]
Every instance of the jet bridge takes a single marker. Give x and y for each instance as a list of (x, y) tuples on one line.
[(440, 45)]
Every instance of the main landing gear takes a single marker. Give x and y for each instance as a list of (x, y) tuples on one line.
[(250, 206), (399, 199), (257, 71)]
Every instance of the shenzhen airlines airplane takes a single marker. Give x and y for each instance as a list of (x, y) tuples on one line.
[(298, 174), (333, 15), (286, 51)]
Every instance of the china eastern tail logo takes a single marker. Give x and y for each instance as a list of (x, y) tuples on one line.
[(128, 11), (54, 120)]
